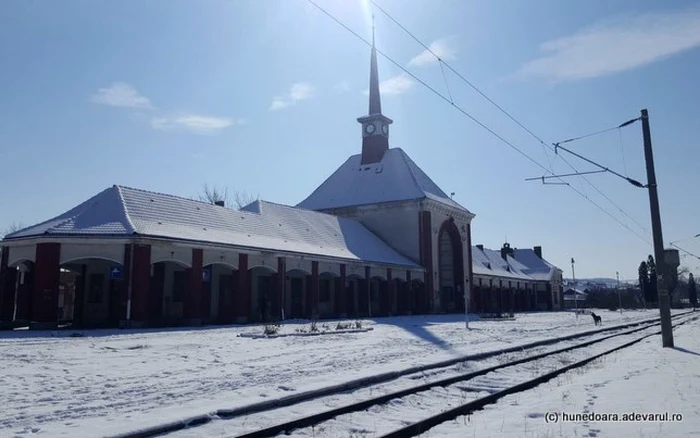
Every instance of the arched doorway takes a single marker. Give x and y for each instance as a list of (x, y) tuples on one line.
[(352, 294), (295, 300), (416, 297), (219, 283), (326, 293), (92, 292), (168, 286), (263, 299), (450, 268)]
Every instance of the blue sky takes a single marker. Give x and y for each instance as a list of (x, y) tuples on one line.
[(261, 96)]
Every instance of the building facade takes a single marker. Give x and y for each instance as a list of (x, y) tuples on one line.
[(377, 238)]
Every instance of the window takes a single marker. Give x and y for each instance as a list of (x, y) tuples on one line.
[(178, 286), (96, 286), (324, 289)]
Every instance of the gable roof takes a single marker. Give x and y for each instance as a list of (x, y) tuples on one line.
[(537, 267), (524, 264), (125, 211), (395, 178)]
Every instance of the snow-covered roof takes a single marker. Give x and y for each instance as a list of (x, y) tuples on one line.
[(395, 178), (489, 262), (124, 211), (537, 267)]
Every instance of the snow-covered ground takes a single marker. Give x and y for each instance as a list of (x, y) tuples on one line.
[(382, 419), (644, 378), (113, 381)]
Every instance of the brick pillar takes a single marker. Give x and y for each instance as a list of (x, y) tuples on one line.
[(314, 289), (47, 278), (279, 293), (340, 293), (470, 267), (408, 303), (124, 291), (192, 311), (367, 295), (7, 286), (243, 309), (426, 258), (390, 292), (140, 285)]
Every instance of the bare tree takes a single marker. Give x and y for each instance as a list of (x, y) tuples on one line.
[(215, 194), (12, 228), (242, 199)]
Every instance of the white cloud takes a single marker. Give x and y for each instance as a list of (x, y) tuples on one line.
[(397, 85), (616, 46), (121, 94), (342, 86), (196, 123), (297, 92), (439, 47)]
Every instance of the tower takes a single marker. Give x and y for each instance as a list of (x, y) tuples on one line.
[(375, 125)]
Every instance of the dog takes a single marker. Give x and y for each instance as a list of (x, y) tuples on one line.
[(597, 320)]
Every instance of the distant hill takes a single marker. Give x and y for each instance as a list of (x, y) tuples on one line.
[(602, 281)]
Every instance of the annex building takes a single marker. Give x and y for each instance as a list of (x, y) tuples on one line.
[(377, 238)]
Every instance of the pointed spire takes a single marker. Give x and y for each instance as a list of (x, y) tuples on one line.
[(375, 102)]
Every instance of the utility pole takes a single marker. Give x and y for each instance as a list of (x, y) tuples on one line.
[(573, 276), (619, 293), (664, 299)]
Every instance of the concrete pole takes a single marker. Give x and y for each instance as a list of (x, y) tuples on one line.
[(573, 276), (662, 288), (619, 293)]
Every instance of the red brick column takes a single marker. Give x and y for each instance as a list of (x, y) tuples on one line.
[(47, 278), (278, 294), (408, 291), (7, 287), (140, 284), (124, 290), (470, 266), (426, 258), (192, 310), (366, 295), (391, 289), (340, 292), (243, 308), (314, 289)]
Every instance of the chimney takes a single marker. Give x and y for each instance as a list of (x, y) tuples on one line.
[(506, 250), (481, 247), (538, 251), (220, 203)]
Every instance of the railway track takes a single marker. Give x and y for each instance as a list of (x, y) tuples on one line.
[(450, 397), (451, 390)]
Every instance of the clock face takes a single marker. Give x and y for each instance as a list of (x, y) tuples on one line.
[(369, 128), (385, 129)]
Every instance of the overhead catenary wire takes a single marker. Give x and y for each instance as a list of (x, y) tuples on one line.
[(685, 251), (472, 118), (544, 144)]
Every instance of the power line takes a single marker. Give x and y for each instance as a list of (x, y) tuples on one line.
[(545, 145), (593, 134), (685, 251), (472, 118)]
